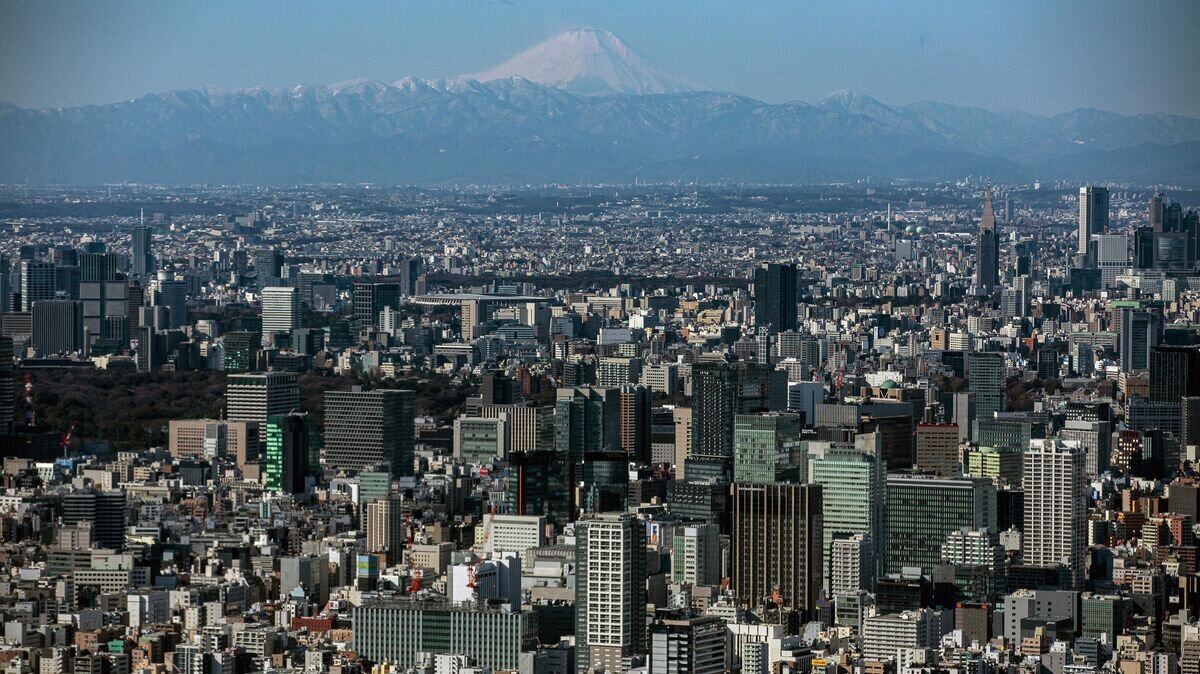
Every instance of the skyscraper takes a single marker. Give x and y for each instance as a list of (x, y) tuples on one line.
[(1140, 332), (776, 544), (258, 397), (365, 429), (714, 406), (39, 282), (268, 266), (7, 392), (610, 591), (280, 310), (987, 247), (1055, 531), (853, 486), (385, 528), (985, 377), (105, 510), (287, 453), (58, 326), (775, 297), (370, 298), (141, 256), (923, 510), (687, 645), (1158, 209), (760, 447), (1093, 214)]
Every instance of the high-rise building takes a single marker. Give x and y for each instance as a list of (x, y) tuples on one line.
[(1055, 531), (171, 292), (480, 441), (105, 308), (287, 453), (775, 297), (922, 511), (985, 377), (57, 326), (587, 429), (610, 592), (987, 247), (385, 528), (280, 309), (776, 545), (1140, 332), (258, 397), (1093, 214), (365, 429), (141, 254), (104, 510), (213, 439), (7, 392), (410, 272), (761, 444), (853, 486), (39, 283), (687, 644), (398, 631), (1157, 215), (937, 449), (370, 299), (1174, 373), (696, 554), (714, 407), (268, 267), (636, 422), (1112, 257)]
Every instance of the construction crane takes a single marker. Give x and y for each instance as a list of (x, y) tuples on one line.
[(66, 440)]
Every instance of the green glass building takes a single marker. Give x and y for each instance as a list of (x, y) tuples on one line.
[(760, 447)]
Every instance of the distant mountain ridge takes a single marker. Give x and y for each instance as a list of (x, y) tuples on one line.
[(513, 130)]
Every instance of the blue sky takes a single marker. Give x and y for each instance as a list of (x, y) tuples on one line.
[(1044, 57)]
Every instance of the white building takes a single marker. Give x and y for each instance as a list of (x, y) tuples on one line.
[(1055, 506), (280, 309)]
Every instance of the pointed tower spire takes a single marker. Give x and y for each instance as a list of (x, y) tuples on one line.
[(988, 221)]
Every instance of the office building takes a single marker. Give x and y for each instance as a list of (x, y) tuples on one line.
[(213, 439), (1055, 507), (386, 534), (398, 631), (1093, 214), (696, 554), (775, 297), (937, 449), (889, 637), (761, 447), (258, 397), (141, 254), (1174, 373), (714, 408), (610, 592), (987, 247), (1140, 333), (7, 383), (480, 441), (985, 377), (687, 645), (57, 327), (170, 292), (365, 429), (776, 545), (280, 310), (923, 510), (104, 510), (268, 267), (287, 469), (369, 299), (853, 486), (39, 283)]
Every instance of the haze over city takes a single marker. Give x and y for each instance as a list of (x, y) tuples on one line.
[(599, 338)]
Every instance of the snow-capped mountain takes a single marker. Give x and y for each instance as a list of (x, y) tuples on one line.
[(589, 62), (537, 126)]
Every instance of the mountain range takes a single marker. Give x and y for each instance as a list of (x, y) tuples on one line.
[(582, 107)]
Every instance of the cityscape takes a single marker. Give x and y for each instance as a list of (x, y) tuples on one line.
[(572, 365)]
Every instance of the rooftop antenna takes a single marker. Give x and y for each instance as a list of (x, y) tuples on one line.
[(142, 216)]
